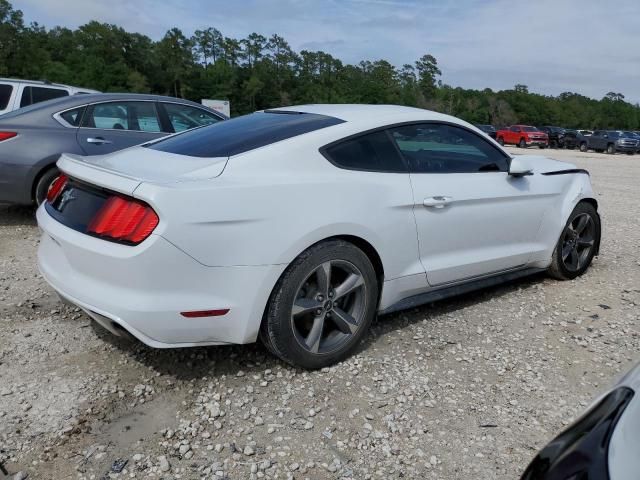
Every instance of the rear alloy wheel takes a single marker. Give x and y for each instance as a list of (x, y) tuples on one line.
[(44, 182), (322, 306), (578, 243), (522, 143), (611, 149), (583, 147), (501, 141)]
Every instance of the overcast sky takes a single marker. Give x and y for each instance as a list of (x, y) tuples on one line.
[(585, 46)]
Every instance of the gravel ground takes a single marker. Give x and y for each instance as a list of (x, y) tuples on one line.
[(466, 388)]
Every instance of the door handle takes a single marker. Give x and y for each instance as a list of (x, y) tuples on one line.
[(98, 140), (437, 202)]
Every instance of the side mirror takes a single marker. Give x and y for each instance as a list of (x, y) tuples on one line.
[(519, 168)]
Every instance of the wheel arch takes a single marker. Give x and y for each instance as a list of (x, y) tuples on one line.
[(46, 167), (594, 203), (366, 247)]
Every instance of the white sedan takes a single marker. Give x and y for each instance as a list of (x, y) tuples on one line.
[(298, 225)]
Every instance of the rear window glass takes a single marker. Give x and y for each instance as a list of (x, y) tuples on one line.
[(241, 134), (5, 95)]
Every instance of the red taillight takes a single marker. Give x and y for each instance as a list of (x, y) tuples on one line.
[(123, 219), (56, 187), (7, 135)]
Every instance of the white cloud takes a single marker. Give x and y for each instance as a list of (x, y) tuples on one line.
[(587, 46)]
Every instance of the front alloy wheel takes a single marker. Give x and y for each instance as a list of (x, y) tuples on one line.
[(578, 243), (322, 306)]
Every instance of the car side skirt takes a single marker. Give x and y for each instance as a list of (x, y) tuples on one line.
[(459, 289)]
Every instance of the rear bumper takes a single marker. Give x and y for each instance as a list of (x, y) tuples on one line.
[(143, 289)]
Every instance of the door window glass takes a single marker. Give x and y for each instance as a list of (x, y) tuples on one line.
[(443, 148), (138, 116), (185, 117)]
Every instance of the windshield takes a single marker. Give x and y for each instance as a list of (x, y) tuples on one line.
[(529, 129)]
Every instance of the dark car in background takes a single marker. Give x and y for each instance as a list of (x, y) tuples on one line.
[(555, 134), (574, 139), (612, 141), (635, 135), (488, 129), (32, 138)]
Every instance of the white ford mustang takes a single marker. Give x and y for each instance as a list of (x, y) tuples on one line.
[(298, 225)]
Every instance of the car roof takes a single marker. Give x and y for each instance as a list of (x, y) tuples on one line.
[(43, 82), (358, 112)]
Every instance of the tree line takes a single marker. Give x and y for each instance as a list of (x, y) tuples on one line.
[(260, 72)]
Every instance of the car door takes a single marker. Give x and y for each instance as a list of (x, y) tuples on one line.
[(598, 140), (110, 126), (514, 134), (473, 219)]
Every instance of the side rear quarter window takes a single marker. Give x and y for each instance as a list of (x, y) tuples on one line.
[(444, 148), (72, 117), (372, 152)]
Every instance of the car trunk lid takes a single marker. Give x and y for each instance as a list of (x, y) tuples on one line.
[(123, 171)]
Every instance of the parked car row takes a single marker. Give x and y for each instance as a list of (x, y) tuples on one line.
[(609, 141)]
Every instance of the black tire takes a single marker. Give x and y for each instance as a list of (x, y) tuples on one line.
[(553, 144), (542, 147), (43, 184), (522, 143), (283, 331), (561, 263), (501, 141), (583, 147), (611, 149)]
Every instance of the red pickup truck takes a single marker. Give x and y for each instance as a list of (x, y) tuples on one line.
[(522, 136)]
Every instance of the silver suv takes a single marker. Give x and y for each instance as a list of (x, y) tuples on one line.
[(16, 94)]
